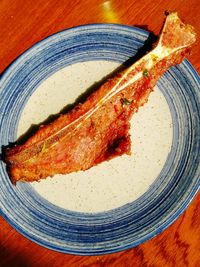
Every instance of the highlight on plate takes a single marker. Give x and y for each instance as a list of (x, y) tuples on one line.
[(98, 129)]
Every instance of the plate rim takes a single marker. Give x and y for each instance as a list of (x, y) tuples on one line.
[(152, 234)]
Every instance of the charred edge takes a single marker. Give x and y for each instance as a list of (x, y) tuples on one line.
[(119, 146), (3, 157), (168, 12), (5, 149)]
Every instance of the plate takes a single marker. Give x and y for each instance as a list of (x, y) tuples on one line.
[(162, 194)]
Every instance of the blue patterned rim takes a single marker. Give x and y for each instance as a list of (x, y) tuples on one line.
[(130, 225)]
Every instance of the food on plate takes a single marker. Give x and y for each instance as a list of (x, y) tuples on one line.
[(98, 129)]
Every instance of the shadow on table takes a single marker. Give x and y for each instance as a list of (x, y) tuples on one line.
[(10, 257)]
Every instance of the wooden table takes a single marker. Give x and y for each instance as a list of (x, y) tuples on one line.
[(22, 24)]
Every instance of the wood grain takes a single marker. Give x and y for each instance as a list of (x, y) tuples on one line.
[(23, 23)]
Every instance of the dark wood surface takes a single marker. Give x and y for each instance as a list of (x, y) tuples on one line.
[(22, 24)]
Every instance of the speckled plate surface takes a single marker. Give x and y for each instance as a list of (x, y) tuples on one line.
[(121, 203)]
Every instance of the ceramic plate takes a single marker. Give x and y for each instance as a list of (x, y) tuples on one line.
[(117, 204)]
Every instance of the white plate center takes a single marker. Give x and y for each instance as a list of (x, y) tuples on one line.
[(110, 184)]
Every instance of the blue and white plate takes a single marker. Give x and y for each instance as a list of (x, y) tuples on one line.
[(121, 203)]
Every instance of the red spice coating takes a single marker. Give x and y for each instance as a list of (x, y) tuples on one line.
[(77, 141)]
